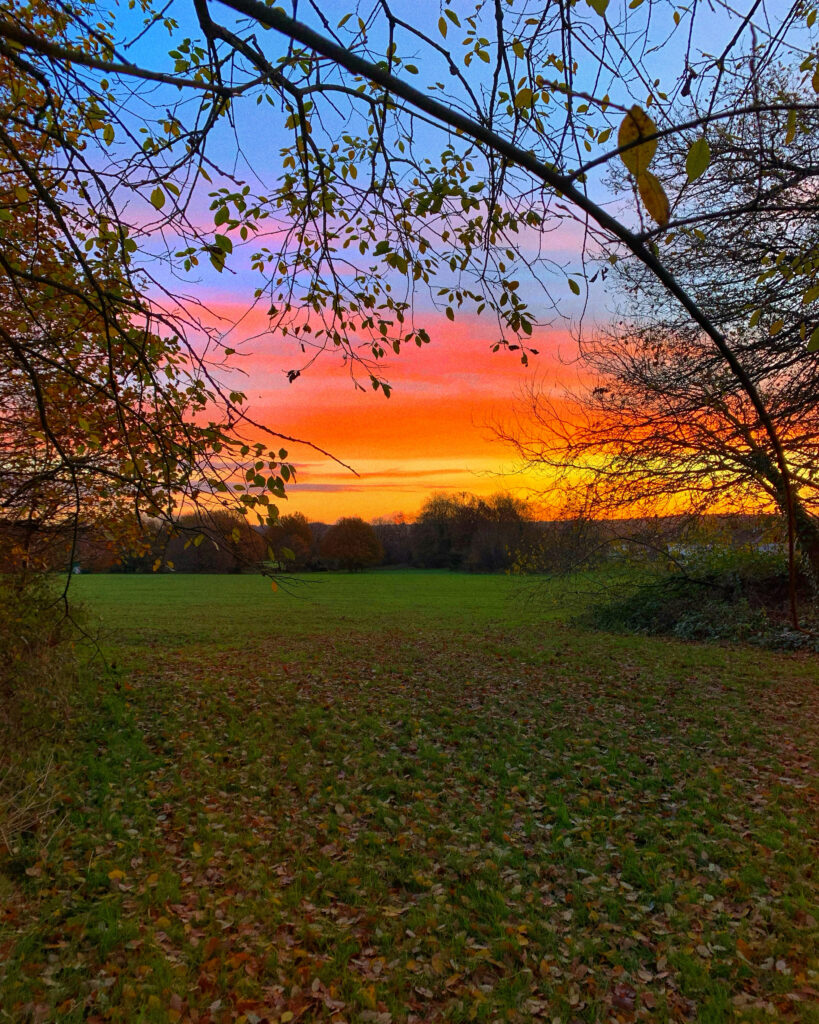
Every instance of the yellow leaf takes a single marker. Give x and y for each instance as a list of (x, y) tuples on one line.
[(790, 134), (776, 327), (116, 875), (524, 99), (815, 80), (637, 125), (274, 585), (813, 344), (654, 198)]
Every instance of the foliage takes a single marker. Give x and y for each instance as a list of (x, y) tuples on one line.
[(710, 592), (290, 541), (564, 546), (351, 544), (108, 411), (660, 422), (214, 542), (463, 531), (396, 538), (385, 190), (400, 795), (38, 671)]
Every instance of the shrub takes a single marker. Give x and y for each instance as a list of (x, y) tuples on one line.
[(37, 671), (713, 592)]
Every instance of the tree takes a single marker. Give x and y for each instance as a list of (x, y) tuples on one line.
[(520, 100), (352, 544), (106, 412), (213, 542), (661, 424), (395, 535), (291, 540), (462, 531)]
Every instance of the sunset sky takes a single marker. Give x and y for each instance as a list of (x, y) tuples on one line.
[(433, 433)]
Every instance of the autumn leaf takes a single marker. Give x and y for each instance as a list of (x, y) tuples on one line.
[(654, 198), (637, 125), (698, 159)]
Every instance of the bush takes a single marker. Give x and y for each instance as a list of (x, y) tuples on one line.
[(714, 592), (37, 672)]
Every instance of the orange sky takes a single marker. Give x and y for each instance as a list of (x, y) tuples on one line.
[(432, 434)]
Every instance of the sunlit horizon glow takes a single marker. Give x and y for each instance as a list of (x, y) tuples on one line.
[(433, 434)]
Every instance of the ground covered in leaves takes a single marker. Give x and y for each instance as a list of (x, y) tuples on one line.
[(416, 797)]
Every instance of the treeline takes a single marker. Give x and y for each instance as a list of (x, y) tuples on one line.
[(458, 532), (461, 532)]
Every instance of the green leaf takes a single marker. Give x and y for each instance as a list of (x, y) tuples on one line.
[(698, 159), (224, 243), (574, 286), (813, 343), (108, 134), (382, 247), (157, 198), (524, 99), (518, 50), (442, 26), (599, 6), (221, 216)]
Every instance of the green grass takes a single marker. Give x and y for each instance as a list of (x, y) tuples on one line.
[(416, 796)]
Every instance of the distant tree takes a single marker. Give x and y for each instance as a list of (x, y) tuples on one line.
[(352, 544), (396, 537), (214, 542), (462, 531), (290, 540)]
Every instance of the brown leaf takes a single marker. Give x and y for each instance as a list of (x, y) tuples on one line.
[(624, 997)]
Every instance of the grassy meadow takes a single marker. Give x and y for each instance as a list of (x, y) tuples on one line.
[(416, 797)]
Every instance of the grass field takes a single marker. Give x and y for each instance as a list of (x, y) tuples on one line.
[(416, 797)]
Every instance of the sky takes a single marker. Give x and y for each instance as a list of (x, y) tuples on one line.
[(434, 432)]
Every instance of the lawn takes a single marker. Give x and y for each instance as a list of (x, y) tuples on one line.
[(416, 797)]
